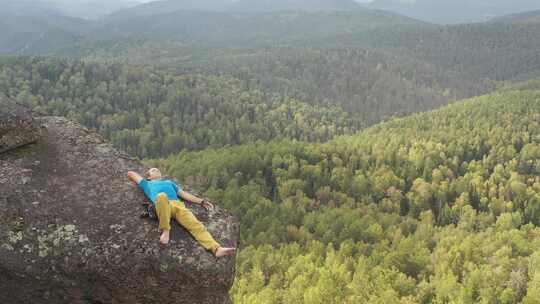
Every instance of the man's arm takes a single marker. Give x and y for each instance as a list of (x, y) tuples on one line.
[(190, 197), (134, 177), (194, 199)]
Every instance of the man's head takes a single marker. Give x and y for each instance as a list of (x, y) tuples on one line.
[(152, 174)]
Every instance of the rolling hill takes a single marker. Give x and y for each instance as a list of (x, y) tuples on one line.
[(165, 7), (92, 9), (455, 11), (286, 116), (298, 5), (87, 9), (39, 34), (394, 214), (494, 50), (526, 17), (169, 6), (28, 7), (248, 29)]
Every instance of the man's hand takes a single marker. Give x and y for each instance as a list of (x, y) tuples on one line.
[(207, 205), (196, 200), (134, 177)]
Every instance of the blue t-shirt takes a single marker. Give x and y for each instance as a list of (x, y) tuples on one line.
[(152, 188)]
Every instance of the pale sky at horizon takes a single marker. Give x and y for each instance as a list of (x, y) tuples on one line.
[(146, 1)]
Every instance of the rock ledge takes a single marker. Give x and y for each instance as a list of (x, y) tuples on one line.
[(70, 230)]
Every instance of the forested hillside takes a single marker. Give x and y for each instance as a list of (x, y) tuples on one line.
[(291, 113), (261, 29), (63, 8), (497, 50), (455, 11), (195, 27), (493, 50), (39, 34), (238, 6), (439, 207), (369, 83), (307, 95), (151, 113), (92, 9), (525, 17), (282, 5)]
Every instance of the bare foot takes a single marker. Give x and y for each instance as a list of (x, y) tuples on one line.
[(221, 252), (164, 238)]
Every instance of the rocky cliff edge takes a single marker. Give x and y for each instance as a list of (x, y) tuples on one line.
[(70, 226)]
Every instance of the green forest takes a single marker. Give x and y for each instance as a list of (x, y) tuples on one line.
[(151, 113), (369, 157), (440, 207), (310, 95), (420, 209)]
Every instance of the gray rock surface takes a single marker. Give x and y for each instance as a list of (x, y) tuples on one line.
[(17, 126), (70, 230)]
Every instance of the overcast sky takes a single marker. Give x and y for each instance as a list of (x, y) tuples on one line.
[(269, 0)]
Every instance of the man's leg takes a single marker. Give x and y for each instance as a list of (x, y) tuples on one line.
[(185, 218), (163, 210)]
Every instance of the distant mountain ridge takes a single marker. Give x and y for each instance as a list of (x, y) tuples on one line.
[(28, 8), (92, 9), (41, 32), (455, 11), (493, 50), (45, 34), (211, 28), (166, 7), (307, 5), (86, 9), (526, 17), (169, 6)]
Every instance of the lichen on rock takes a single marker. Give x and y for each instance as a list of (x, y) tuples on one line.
[(57, 241), (70, 230)]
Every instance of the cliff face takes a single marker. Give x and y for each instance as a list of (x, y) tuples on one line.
[(70, 230)]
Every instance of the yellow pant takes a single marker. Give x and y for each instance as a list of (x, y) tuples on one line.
[(166, 209)]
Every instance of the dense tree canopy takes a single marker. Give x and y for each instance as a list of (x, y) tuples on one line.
[(305, 95), (268, 115), (438, 207), (370, 83), (152, 113), (416, 210)]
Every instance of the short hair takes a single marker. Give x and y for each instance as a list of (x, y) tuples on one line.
[(147, 173)]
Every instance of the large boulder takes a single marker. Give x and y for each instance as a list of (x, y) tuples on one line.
[(71, 231), (17, 126)]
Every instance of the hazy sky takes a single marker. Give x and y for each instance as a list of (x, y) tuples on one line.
[(364, 1)]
